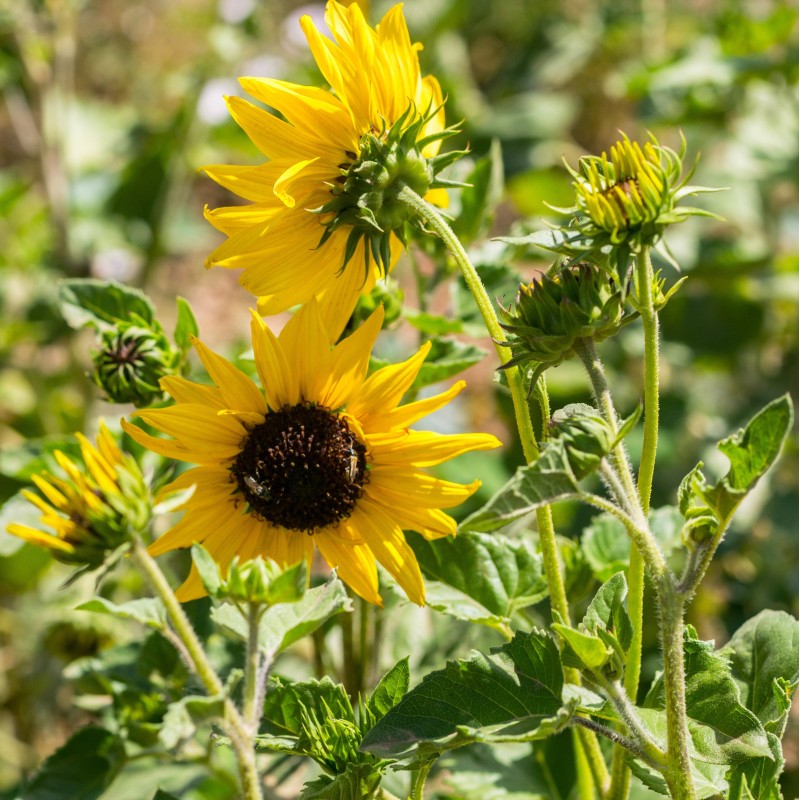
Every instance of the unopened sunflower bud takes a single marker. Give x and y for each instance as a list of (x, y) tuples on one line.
[(552, 312), (130, 363), (100, 504), (587, 437), (261, 581)]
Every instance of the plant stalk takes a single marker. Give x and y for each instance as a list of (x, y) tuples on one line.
[(252, 669), (232, 720)]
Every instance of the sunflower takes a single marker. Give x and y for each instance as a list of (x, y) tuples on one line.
[(336, 161), (93, 509), (323, 457)]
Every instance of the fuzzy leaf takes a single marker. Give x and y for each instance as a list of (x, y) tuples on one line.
[(762, 651), (82, 769), (500, 574), (285, 623), (432, 324), (447, 357), (148, 611), (608, 610), (85, 302), (758, 778), (390, 689), (357, 782), (514, 693), (545, 481), (185, 715), (481, 196), (582, 649)]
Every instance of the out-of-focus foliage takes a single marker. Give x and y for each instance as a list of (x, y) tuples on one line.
[(108, 109)]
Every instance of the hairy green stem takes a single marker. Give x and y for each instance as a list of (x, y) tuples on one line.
[(615, 737), (678, 774), (636, 567), (252, 669), (627, 712), (418, 778), (232, 720), (544, 517)]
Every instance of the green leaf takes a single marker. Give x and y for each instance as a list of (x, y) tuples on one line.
[(82, 769), (431, 324), (390, 689), (85, 302), (285, 623), (459, 605), (608, 611), (708, 780), (762, 651), (545, 481), (499, 280), (758, 778), (186, 715), (148, 611), (751, 451), (447, 357), (207, 568), (480, 198), (286, 701), (357, 782), (512, 694), (582, 649), (500, 574), (159, 795), (730, 733), (186, 325)]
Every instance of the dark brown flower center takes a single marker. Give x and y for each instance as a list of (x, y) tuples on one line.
[(302, 468)]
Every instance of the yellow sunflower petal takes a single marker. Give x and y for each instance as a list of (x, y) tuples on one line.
[(237, 389), (39, 537), (306, 345), (383, 390), (403, 416), (393, 484), (425, 449), (251, 183), (170, 448), (277, 378), (107, 446), (354, 562), (386, 540), (185, 391), (58, 499), (206, 479), (198, 427), (349, 362)]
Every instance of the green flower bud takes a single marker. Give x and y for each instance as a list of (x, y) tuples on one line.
[(366, 192), (386, 293), (130, 362), (260, 581), (587, 437), (550, 314)]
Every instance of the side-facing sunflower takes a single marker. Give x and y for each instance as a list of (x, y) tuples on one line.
[(322, 457), (324, 220)]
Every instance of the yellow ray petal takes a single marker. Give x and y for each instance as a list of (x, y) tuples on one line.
[(432, 523), (403, 416), (239, 392), (423, 448), (306, 345), (206, 479), (108, 446), (185, 391), (386, 540), (383, 389), (420, 489), (39, 537), (349, 362), (58, 499), (198, 427), (171, 449), (354, 562), (277, 378), (251, 183)]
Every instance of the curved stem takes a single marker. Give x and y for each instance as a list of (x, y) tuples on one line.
[(182, 628)]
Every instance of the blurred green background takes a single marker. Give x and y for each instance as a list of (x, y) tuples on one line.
[(110, 107)]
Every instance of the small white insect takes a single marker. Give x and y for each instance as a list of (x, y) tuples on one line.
[(258, 489)]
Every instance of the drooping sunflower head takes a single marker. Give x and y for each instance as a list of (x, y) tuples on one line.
[(322, 457), (325, 218), (93, 509)]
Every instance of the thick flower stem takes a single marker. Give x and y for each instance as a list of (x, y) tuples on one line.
[(252, 669), (544, 517), (644, 298), (232, 720)]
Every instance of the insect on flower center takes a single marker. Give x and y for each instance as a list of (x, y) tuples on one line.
[(302, 468)]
